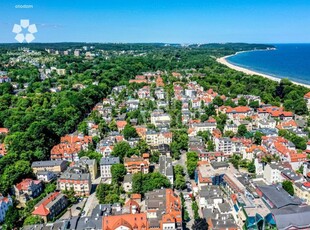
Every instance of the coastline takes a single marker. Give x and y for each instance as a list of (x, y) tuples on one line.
[(223, 61)]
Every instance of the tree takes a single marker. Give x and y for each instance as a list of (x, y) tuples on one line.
[(142, 183), (11, 218), (113, 126), (242, 130), (122, 149), (288, 186), (258, 138), (229, 133), (191, 163), (179, 182), (251, 167), (218, 101), (210, 146), (154, 158), (70, 195), (108, 193), (118, 172), (242, 101), (129, 132), (31, 220)]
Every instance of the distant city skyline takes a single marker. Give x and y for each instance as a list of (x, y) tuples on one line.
[(183, 21)]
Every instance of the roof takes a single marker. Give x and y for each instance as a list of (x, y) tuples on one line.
[(278, 196), (292, 217), (109, 160), (47, 163), (42, 208), (136, 221), (307, 95), (26, 183)]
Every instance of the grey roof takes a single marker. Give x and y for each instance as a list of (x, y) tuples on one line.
[(128, 178), (94, 223), (109, 160), (291, 175), (47, 163), (102, 210), (210, 192), (292, 217), (224, 207), (165, 165), (75, 173), (278, 196)]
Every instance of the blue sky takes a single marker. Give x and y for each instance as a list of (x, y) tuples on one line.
[(182, 21)]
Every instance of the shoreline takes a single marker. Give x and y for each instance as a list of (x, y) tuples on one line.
[(223, 61)]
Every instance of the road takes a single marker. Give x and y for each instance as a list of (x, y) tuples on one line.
[(75, 210)]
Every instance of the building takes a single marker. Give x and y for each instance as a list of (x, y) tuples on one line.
[(155, 139), (224, 144), (46, 176), (105, 166), (136, 164), (90, 165), (166, 168), (307, 99), (164, 209), (302, 190), (5, 203), (77, 179), (51, 206), (52, 166), (136, 221), (127, 183), (159, 117), (70, 146), (27, 189), (272, 173)]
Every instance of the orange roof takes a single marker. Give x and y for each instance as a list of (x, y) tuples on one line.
[(298, 157), (287, 124), (238, 109), (136, 221), (137, 81), (25, 183), (307, 95), (4, 130), (135, 196), (41, 210), (121, 124)]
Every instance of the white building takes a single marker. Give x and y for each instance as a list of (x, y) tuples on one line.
[(105, 166)]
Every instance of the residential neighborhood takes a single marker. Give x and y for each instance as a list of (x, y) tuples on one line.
[(162, 151)]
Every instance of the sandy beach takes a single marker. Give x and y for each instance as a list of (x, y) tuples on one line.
[(223, 61)]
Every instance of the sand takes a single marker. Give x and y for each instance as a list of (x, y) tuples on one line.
[(223, 61)]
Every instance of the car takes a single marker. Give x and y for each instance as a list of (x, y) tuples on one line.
[(78, 208)]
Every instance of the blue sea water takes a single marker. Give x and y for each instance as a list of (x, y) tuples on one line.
[(290, 61)]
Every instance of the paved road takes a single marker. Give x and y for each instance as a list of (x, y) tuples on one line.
[(75, 210)]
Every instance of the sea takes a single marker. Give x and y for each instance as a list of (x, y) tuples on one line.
[(291, 61)]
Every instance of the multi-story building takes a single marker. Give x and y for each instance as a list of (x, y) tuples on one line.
[(77, 179), (5, 203), (224, 145), (155, 139), (272, 173), (27, 189), (105, 166), (159, 117), (90, 165), (70, 146), (164, 209), (166, 168), (52, 205), (136, 164), (307, 98), (302, 190), (52, 166), (136, 221)]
